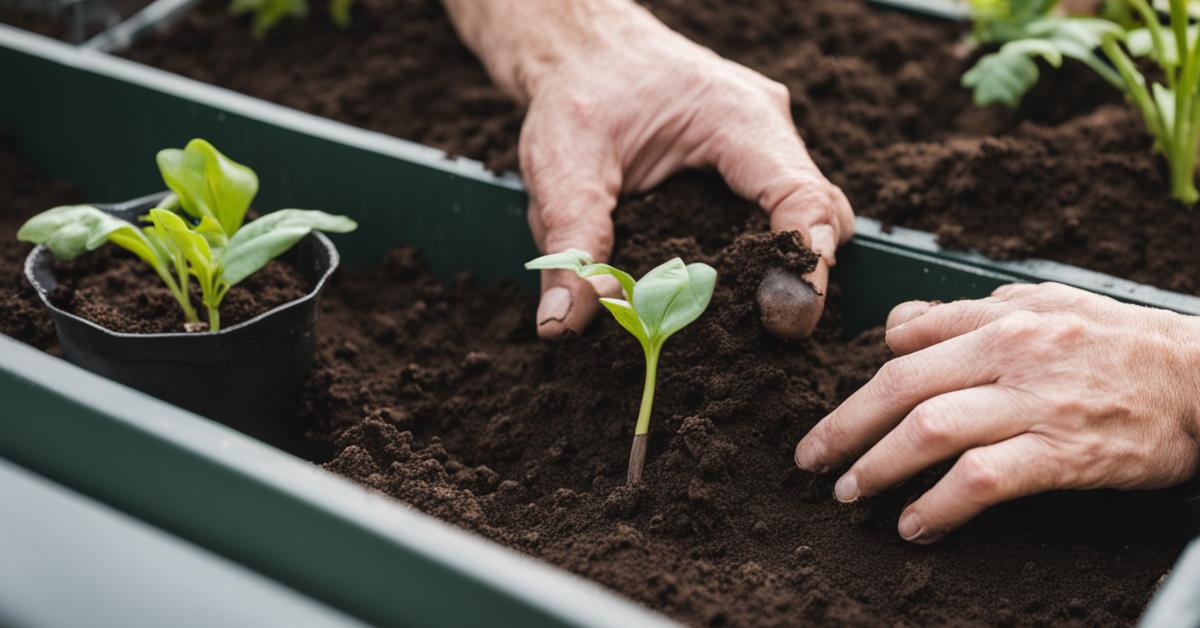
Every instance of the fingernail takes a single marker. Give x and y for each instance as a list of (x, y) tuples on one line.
[(555, 305), (808, 455), (846, 489), (909, 526)]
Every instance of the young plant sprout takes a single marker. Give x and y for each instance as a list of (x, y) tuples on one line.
[(1170, 110), (197, 231), (659, 304), (267, 13)]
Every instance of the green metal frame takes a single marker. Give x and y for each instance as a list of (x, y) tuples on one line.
[(87, 117)]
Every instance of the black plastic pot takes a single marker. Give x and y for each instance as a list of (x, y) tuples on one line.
[(248, 376)]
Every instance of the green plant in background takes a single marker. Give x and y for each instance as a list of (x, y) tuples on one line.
[(268, 13), (1132, 28), (1028, 30), (197, 231), (665, 300)]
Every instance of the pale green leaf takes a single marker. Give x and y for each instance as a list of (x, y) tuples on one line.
[(1004, 76), (570, 259), (692, 301), (627, 317), (1140, 43), (265, 239), (193, 246), (654, 292), (1165, 99), (623, 278), (208, 183), (71, 230)]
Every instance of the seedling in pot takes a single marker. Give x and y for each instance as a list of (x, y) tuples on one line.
[(197, 231), (267, 13), (665, 300)]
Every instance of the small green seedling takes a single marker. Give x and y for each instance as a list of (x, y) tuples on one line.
[(656, 306), (268, 13), (197, 231)]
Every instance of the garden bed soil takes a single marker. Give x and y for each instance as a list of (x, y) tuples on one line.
[(876, 94), (443, 397), (60, 27)]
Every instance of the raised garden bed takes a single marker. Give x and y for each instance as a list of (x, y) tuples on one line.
[(876, 94), (510, 437), (414, 396)]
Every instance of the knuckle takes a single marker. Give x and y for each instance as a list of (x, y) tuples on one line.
[(929, 425), (979, 474), (779, 94), (1017, 327), (1066, 329), (897, 377)]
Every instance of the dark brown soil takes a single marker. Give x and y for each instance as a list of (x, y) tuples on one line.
[(443, 397), (119, 292), (1070, 176), (398, 68), (59, 26)]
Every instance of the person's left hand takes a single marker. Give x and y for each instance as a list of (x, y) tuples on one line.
[(1034, 388)]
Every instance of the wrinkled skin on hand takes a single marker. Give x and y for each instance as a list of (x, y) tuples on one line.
[(1036, 388), (617, 103)]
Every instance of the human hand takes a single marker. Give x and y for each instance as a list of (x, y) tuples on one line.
[(1038, 387), (617, 103)]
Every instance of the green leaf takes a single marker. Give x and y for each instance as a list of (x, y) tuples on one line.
[(194, 247), (1140, 43), (692, 301), (1165, 99), (570, 259), (266, 238), (654, 292), (212, 231), (208, 183), (1004, 76), (267, 13), (339, 10), (1074, 37), (623, 278), (628, 318), (71, 230)]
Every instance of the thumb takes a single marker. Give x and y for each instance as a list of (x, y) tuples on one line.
[(770, 165), (582, 221)]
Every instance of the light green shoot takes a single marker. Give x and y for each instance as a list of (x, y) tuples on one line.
[(665, 300)]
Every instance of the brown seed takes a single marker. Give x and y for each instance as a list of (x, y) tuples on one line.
[(788, 305)]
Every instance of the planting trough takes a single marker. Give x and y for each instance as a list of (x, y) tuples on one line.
[(201, 485)]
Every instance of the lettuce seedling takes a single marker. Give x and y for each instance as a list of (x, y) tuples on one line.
[(268, 13), (197, 231), (665, 300)]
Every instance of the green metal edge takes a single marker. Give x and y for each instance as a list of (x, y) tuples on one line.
[(287, 519)]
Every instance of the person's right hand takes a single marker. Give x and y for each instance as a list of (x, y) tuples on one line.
[(617, 103), (1033, 389)]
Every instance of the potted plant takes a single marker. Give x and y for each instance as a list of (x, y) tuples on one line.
[(199, 246)]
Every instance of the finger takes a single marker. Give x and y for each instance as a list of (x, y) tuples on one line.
[(981, 478), (941, 322), (937, 429), (764, 159), (573, 182), (872, 411), (567, 301), (906, 312)]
